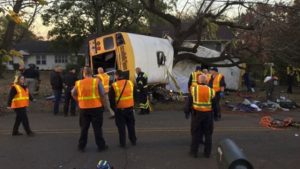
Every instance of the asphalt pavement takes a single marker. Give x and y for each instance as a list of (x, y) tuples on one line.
[(163, 143)]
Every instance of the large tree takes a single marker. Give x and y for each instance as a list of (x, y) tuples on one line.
[(204, 19), (74, 21), (18, 14)]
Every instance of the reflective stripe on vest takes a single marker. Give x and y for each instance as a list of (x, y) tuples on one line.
[(202, 96), (88, 93), (21, 99), (105, 81), (126, 99), (195, 76), (216, 83)]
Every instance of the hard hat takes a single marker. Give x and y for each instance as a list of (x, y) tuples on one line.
[(103, 164)]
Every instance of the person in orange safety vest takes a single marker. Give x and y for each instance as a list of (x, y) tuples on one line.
[(89, 93), (217, 82), (18, 100), (122, 101), (200, 106), (104, 77), (194, 76)]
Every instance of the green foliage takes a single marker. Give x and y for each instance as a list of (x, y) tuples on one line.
[(211, 28), (74, 21), (7, 55)]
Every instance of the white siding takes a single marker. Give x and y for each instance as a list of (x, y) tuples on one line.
[(50, 61)]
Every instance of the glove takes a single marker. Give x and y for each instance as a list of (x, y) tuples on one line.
[(222, 95)]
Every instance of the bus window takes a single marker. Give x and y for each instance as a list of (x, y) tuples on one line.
[(108, 43), (120, 39)]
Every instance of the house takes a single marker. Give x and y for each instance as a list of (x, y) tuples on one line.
[(43, 54)]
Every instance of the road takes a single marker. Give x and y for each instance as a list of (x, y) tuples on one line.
[(163, 143)]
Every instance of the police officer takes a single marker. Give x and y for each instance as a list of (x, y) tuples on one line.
[(194, 76), (217, 82), (142, 91), (121, 99), (69, 82), (18, 100), (200, 104), (104, 77), (89, 93)]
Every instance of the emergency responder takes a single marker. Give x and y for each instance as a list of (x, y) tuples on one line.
[(193, 77), (104, 77), (18, 100), (206, 72), (290, 78), (200, 106), (217, 82), (56, 82), (32, 78), (89, 93), (270, 82), (142, 91), (122, 101), (69, 82)]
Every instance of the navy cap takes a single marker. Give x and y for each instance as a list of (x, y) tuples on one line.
[(214, 69), (198, 67)]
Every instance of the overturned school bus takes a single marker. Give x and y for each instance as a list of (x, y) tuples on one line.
[(126, 51)]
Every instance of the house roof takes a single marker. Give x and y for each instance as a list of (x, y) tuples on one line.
[(35, 46), (39, 46)]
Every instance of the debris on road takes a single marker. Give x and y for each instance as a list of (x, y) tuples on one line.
[(269, 122)]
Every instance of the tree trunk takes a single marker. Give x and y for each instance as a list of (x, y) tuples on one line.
[(9, 33)]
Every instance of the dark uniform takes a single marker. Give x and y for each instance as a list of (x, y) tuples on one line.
[(121, 99), (216, 83), (89, 92), (20, 107), (69, 81), (200, 106), (142, 93), (290, 78), (57, 86)]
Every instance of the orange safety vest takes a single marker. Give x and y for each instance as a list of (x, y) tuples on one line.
[(216, 82), (208, 76), (21, 99), (195, 76), (105, 81), (126, 99), (202, 96), (88, 93)]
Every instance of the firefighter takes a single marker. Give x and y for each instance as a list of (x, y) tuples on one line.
[(104, 77), (193, 77), (18, 100), (122, 101), (90, 94), (217, 82), (142, 91), (200, 106)]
